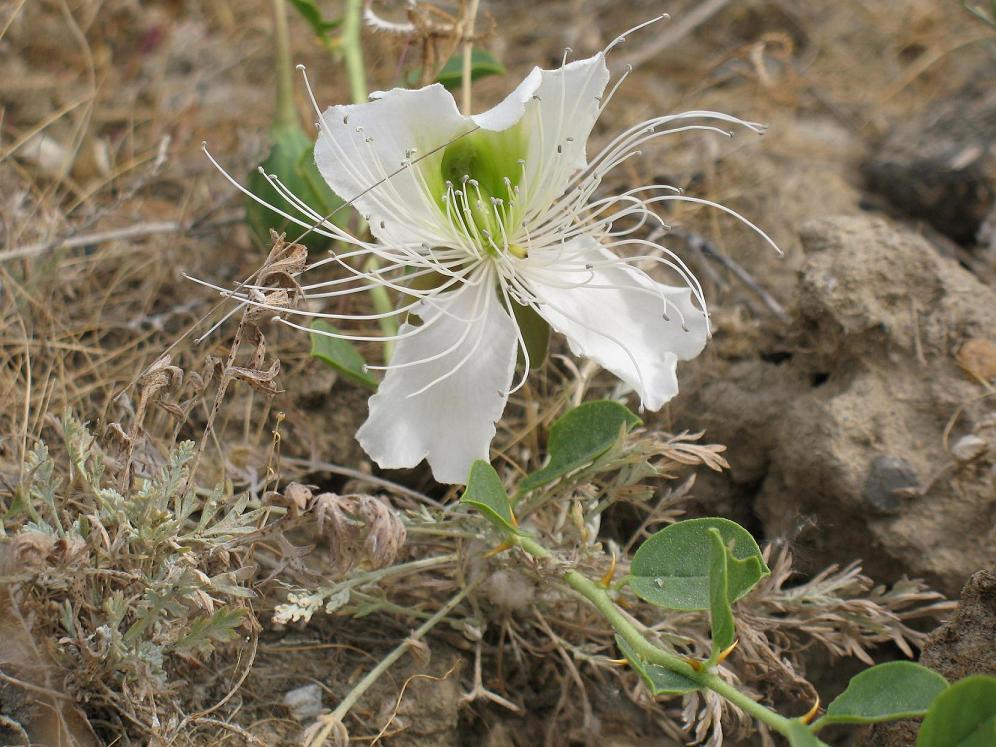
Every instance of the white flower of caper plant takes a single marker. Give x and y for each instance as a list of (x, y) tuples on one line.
[(475, 215)]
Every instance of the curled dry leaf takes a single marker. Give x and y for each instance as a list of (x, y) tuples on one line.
[(159, 376), (260, 380), (283, 263)]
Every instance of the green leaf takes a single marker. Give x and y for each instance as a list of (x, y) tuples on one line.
[(800, 736), (220, 627), (535, 333), (310, 12), (579, 437), (486, 493), (482, 64), (660, 680), (341, 355), (292, 159), (886, 692), (963, 715), (720, 612), (671, 569)]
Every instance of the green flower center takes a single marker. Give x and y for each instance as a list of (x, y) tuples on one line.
[(480, 175)]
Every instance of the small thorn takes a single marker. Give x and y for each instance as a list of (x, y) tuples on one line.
[(506, 545), (693, 663), (811, 714), (727, 651), (618, 662), (610, 574)]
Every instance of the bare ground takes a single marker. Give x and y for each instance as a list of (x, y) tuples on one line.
[(106, 200)]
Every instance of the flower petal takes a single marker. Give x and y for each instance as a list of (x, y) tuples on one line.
[(468, 341), (362, 144), (557, 110), (613, 313)]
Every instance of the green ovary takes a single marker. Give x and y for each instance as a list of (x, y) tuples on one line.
[(488, 158)]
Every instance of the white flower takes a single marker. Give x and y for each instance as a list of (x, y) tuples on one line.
[(475, 214)]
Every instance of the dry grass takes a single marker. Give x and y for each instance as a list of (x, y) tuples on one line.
[(105, 198)]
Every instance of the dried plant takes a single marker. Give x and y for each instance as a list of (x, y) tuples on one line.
[(130, 582)]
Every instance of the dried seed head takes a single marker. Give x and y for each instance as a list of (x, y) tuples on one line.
[(360, 530)]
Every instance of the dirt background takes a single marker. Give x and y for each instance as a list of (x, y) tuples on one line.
[(851, 379)]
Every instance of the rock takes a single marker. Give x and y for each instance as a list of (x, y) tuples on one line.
[(889, 479), (960, 647), (940, 167), (965, 644), (969, 447), (839, 431), (305, 702)]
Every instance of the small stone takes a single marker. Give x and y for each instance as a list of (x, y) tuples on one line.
[(305, 702), (969, 447), (978, 357), (887, 476)]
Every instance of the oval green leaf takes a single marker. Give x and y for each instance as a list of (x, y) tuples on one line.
[(963, 715), (886, 692), (292, 159), (340, 355), (486, 493), (660, 680), (671, 569), (579, 437)]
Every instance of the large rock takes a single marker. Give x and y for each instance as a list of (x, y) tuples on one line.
[(962, 646), (860, 433), (940, 167)]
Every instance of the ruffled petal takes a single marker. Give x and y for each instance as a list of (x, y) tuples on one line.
[(613, 313), (468, 342), (557, 110), (360, 145)]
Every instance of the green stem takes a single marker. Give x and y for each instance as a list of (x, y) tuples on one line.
[(599, 598), (413, 566), (468, 54), (374, 674), (350, 43), (352, 50), (286, 111)]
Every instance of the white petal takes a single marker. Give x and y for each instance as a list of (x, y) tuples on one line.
[(623, 326), (452, 422), (558, 109), (362, 144)]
